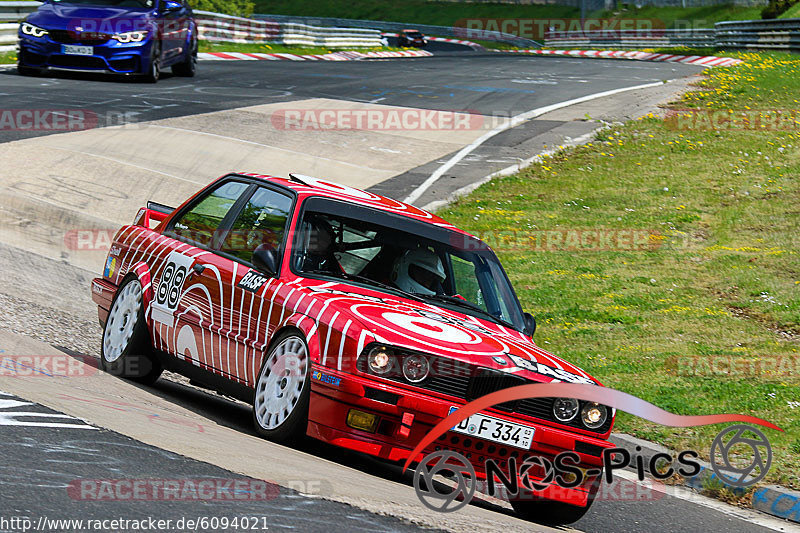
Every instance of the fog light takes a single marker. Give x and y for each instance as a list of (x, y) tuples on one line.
[(569, 477), (593, 415), (416, 368), (379, 360), (361, 420)]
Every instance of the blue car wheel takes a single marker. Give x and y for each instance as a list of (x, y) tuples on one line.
[(154, 65), (188, 66)]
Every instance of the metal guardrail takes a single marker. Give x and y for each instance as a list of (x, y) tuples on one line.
[(394, 27), (8, 36), (16, 11), (773, 34), (217, 27), (696, 38)]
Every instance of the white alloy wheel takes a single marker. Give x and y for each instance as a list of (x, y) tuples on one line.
[(122, 320), (280, 385)]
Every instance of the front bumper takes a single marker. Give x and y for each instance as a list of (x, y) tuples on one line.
[(110, 56), (334, 394), (103, 292)]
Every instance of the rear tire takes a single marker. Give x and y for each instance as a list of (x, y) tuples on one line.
[(283, 390), (126, 350)]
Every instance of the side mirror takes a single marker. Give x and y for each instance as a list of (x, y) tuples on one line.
[(265, 260), (172, 5), (530, 325)]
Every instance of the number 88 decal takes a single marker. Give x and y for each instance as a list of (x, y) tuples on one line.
[(170, 288), (171, 285)]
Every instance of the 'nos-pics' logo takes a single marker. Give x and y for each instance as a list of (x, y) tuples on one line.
[(445, 480)]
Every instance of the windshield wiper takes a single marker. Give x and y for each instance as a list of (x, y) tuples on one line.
[(368, 281), (466, 304), (383, 285)]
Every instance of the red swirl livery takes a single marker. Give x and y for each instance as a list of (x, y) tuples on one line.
[(340, 314)]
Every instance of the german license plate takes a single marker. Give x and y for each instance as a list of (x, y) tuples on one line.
[(496, 430), (75, 50)]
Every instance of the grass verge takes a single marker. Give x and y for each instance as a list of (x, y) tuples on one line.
[(269, 48), (717, 289), (8, 57)]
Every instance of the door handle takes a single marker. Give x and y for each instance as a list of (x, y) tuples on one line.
[(198, 268)]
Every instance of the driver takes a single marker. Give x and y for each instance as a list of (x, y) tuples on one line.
[(319, 247), (418, 271)]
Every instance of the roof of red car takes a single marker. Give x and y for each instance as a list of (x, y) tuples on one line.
[(309, 186)]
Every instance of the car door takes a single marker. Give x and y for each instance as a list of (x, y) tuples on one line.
[(189, 285), (174, 27), (253, 299)]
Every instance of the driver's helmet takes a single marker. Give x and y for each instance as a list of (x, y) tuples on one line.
[(418, 271)]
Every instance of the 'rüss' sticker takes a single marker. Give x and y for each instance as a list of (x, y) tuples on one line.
[(252, 281)]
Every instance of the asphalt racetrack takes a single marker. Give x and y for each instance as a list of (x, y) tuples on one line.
[(163, 142)]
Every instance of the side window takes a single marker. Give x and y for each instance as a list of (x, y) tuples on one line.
[(202, 221), (261, 223), (465, 282)]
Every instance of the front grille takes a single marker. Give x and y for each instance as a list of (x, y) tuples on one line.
[(468, 382), (452, 386), (487, 381), (77, 62), (74, 37)]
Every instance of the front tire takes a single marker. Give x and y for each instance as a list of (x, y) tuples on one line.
[(188, 67), (23, 70), (552, 513), (126, 350), (154, 72), (283, 389)]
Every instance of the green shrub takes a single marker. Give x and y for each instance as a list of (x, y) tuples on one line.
[(776, 8), (241, 8)]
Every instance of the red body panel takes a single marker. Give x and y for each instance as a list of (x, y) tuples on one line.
[(226, 329)]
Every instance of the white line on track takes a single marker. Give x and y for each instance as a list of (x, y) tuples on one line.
[(515, 121), (683, 493), (516, 167)]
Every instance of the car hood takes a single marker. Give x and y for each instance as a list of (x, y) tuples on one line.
[(100, 19), (377, 316)]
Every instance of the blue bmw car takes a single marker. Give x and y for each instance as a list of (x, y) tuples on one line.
[(132, 37)]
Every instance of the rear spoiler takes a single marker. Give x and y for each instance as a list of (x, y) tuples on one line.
[(154, 212)]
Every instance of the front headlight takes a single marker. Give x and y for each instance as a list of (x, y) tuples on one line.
[(380, 360), (565, 409), (34, 31), (416, 368), (594, 415), (130, 36)]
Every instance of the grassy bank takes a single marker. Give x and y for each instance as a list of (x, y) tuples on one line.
[(722, 278), (8, 57), (447, 13)]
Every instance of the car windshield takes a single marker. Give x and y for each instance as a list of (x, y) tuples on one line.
[(413, 34), (132, 4), (400, 255)]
